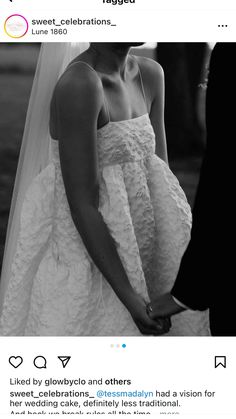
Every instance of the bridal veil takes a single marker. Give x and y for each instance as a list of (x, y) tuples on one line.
[(35, 148)]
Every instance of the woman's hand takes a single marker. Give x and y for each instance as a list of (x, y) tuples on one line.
[(147, 326), (164, 306)]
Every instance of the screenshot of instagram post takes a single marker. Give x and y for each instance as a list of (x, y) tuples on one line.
[(117, 130)]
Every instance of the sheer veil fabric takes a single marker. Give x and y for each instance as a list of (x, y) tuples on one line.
[(35, 149)]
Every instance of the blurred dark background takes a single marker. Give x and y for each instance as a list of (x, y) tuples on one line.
[(185, 66)]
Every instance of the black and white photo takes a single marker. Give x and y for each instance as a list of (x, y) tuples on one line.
[(100, 215)]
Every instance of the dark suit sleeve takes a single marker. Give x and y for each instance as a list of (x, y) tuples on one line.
[(191, 286), (196, 284)]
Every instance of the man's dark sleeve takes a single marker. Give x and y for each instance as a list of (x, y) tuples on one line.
[(205, 260), (191, 286)]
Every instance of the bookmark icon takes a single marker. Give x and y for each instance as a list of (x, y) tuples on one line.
[(220, 361), (64, 360)]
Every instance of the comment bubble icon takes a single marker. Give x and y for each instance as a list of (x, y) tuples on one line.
[(40, 362)]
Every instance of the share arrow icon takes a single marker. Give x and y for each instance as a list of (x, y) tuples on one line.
[(64, 360)]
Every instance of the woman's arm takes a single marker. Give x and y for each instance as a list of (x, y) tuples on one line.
[(153, 78), (78, 99)]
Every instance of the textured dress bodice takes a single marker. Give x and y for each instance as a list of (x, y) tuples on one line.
[(126, 141), (55, 288)]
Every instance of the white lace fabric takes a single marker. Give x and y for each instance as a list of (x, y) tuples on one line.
[(55, 289)]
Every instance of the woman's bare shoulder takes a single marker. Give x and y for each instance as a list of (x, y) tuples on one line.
[(150, 68), (152, 76), (79, 82)]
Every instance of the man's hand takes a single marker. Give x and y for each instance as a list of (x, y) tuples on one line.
[(164, 306)]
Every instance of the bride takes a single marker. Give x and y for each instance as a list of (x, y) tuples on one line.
[(98, 222)]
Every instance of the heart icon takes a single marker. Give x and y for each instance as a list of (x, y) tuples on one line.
[(15, 361)]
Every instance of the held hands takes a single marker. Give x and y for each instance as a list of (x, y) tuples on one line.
[(144, 322), (163, 306)]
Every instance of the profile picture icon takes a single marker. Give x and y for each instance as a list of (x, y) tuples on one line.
[(16, 26)]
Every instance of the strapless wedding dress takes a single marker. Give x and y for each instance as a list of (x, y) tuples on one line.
[(55, 288)]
